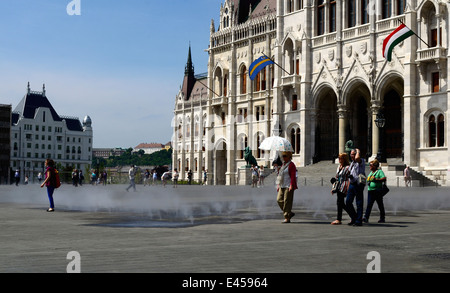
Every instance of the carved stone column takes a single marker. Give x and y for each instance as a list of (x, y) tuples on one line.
[(342, 116)]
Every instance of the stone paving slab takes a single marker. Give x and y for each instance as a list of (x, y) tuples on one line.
[(205, 229)]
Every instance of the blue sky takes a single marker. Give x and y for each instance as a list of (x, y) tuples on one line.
[(120, 62)]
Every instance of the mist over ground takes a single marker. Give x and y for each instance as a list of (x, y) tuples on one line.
[(191, 202)]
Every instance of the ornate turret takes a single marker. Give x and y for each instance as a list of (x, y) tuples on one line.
[(189, 78)]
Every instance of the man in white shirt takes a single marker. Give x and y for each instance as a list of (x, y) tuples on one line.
[(131, 174)]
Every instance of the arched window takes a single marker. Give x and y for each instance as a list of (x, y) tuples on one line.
[(225, 85), (290, 6), (386, 7), (351, 16), (432, 131), (295, 139), (441, 131), (401, 5), (260, 80), (188, 128), (197, 127), (243, 80), (320, 17), (259, 140), (243, 143), (332, 24), (180, 132), (365, 11)]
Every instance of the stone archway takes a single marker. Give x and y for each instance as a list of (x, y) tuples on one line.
[(359, 119), (392, 109), (327, 126), (220, 163)]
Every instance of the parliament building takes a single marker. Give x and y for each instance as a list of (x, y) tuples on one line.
[(329, 85)]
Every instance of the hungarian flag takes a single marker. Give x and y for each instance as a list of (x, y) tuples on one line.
[(258, 65), (396, 37)]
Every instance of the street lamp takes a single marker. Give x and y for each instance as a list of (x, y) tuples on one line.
[(380, 122)]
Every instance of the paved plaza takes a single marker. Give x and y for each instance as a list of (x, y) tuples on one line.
[(207, 229)]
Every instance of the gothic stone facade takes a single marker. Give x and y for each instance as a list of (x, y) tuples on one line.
[(331, 83)]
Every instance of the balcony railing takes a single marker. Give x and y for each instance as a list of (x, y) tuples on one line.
[(290, 80), (431, 54)]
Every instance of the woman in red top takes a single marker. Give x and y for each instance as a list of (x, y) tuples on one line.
[(286, 184), (49, 182)]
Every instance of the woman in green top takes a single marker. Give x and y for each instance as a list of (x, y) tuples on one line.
[(375, 181)]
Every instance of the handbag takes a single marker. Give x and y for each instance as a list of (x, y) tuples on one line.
[(384, 189), (362, 179), (335, 187)]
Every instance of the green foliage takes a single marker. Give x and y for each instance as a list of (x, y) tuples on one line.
[(163, 157)]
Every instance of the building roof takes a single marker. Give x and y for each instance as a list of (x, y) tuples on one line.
[(32, 101), (149, 146), (258, 8)]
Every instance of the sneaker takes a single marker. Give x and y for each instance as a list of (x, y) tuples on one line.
[(337, 222), (365, 220), (382, 221)]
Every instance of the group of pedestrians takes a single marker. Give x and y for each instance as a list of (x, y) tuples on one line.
[(349, 184), (164, 177), (257, 176), (77, 177)]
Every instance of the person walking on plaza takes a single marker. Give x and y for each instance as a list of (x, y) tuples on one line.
[(342, 177), (356, 188), (146, 176), (261, 175), (75, 178), (164, 178), (154, 177), (286, 185), (254, 176), (80, 178), (131, 175), (105, 177), (189, 175), (205, 176), (50, 182), (175, 178), (17, 177), (375, 181), (407, 176)]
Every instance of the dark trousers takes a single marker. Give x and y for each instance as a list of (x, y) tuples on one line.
[(355, 191), (340, 205), (375, 196)]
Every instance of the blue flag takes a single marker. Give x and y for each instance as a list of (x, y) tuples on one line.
[(258, 65)]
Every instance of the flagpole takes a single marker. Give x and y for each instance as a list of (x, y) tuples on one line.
[(208, 88), (414, 33), (276, 64)]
